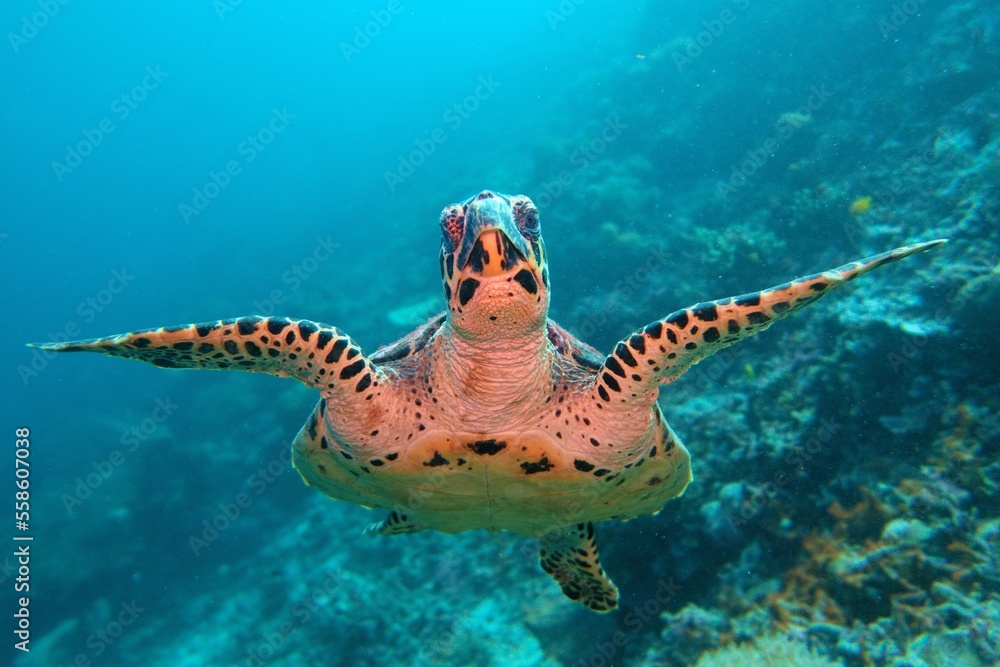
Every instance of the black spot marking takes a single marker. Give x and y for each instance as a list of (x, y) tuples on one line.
[(337, 350), (671, 336), (625, 355), (290, 338), (733, 327), (307, 329), (205, 348), (350, 371), (527, 281), (752, 299), (324, 443), (678, 319), (364, 383), (601, 472), (466, 289), (638, 343), (603, 393), (780, 307), (711, 335), (346, 455), (583, 466), (164, 363), (311, 426), (611, 382), (141, 342), (542, 465), (276, 326), (690, 346), (757, 317), (273, 353), (393, 456), (203, 329), (654, 330), (378, 463), (438, 460), (479, 256), (246, 326), (706, 312), (817, 287), (487, 447), (612, 365), (595, 442), (252, 348), (325, 336), (231, 347), (185, 345)]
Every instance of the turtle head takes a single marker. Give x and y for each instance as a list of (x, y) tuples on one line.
[(493, 266)]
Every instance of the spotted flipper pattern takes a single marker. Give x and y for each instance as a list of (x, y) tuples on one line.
[(570, 557), (662, 351), (316, 354), (394, 524)]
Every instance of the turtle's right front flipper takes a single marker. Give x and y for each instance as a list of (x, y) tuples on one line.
[(315, 354)]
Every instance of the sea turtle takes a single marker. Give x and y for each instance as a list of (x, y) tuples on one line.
[(491, 415)]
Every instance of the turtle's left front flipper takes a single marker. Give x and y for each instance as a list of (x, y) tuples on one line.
[(316, 354), (662, 351)]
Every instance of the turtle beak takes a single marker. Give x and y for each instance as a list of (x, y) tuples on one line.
[(491, 244)]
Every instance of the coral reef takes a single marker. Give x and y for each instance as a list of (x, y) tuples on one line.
[(769, 650)]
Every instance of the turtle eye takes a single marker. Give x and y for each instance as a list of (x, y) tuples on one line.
[(526, 216), (452, 227)]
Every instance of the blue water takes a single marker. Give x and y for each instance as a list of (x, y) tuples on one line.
[(165, 164)]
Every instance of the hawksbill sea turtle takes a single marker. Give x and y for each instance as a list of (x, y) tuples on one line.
[(491, 415)]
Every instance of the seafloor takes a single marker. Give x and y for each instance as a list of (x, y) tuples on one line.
[(845, 504)]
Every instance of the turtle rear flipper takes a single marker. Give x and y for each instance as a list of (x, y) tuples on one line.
[(662, 351), (394, 524), (315, 354), (570, 557)]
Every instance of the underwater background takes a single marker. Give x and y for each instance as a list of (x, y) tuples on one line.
[(165, 163)]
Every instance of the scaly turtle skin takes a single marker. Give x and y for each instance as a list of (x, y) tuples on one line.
[(491, 415)]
